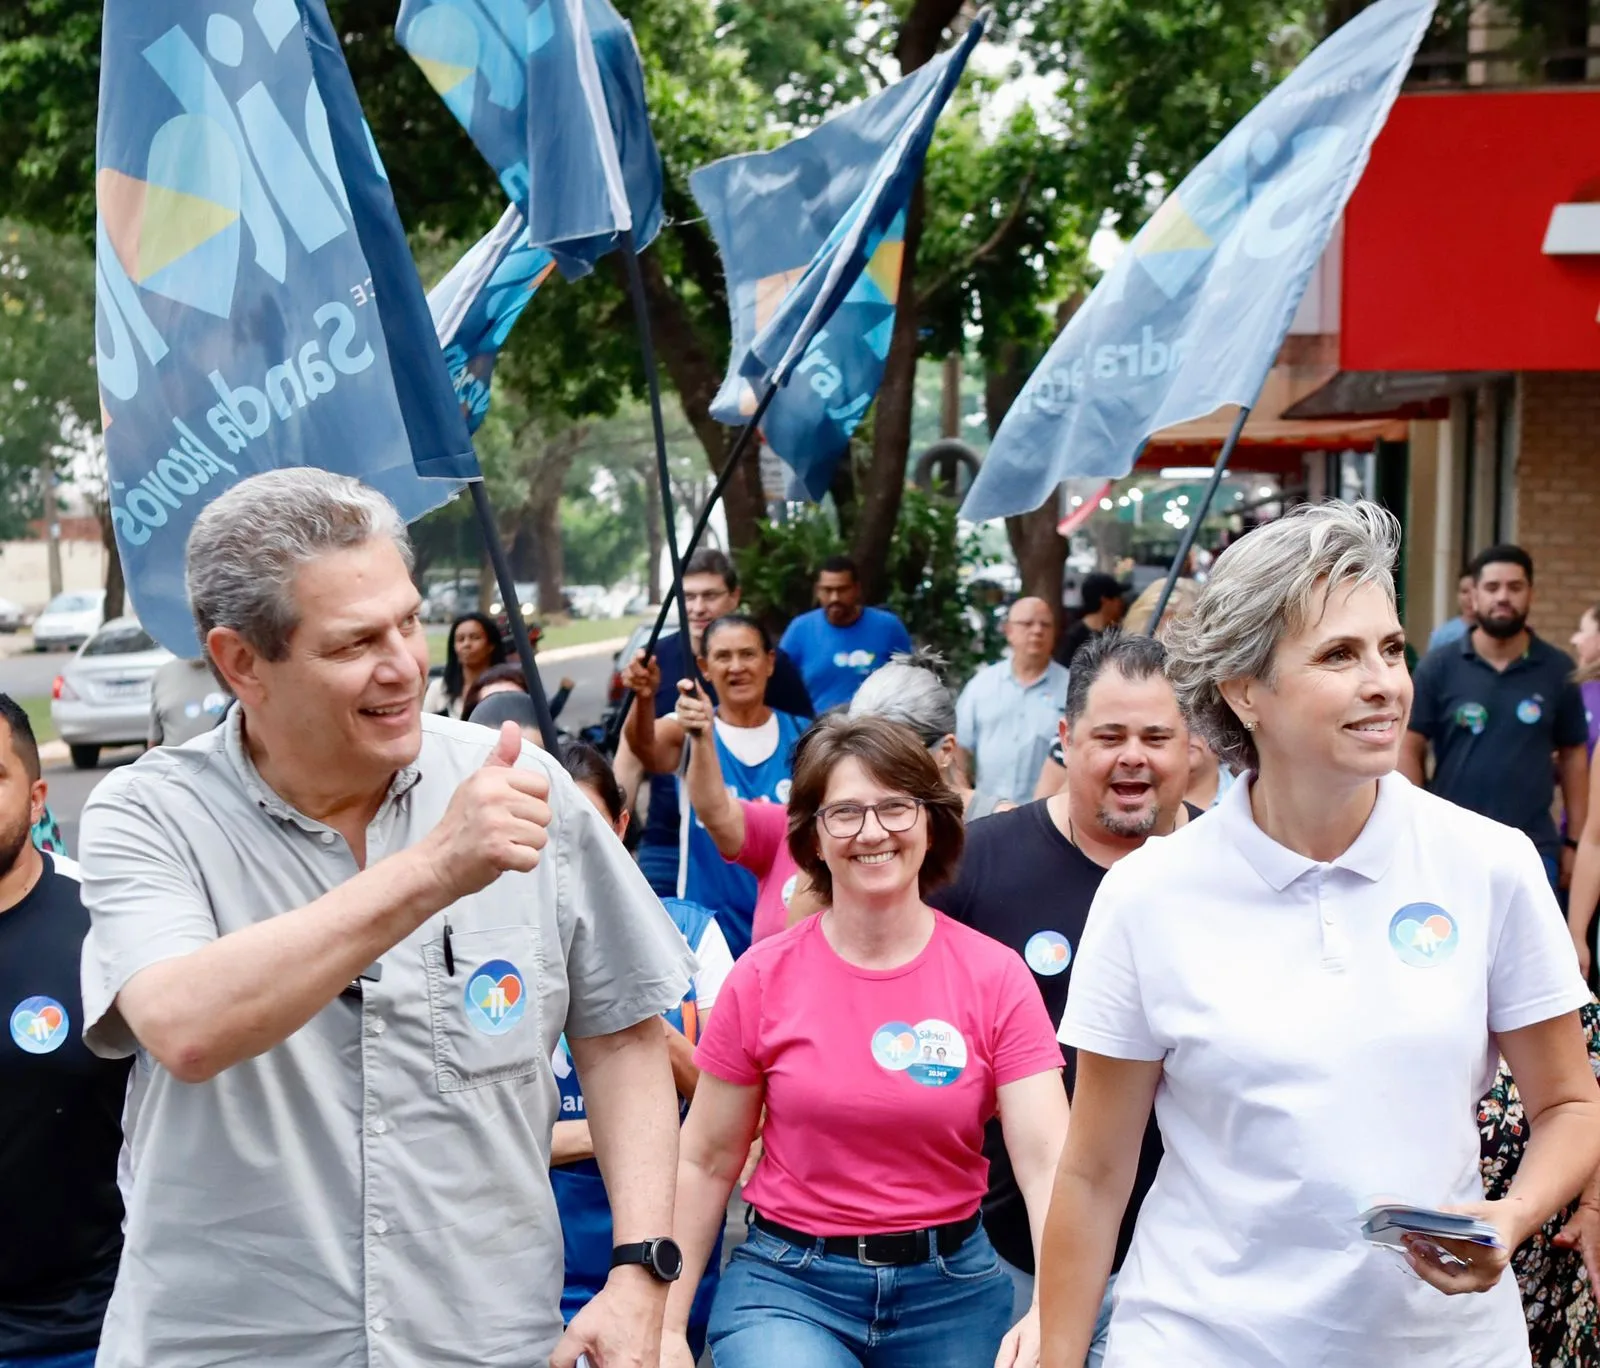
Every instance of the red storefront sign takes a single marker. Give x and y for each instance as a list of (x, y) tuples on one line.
[(1446, 266)]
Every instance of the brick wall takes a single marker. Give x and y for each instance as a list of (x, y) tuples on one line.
[(1558, 495)]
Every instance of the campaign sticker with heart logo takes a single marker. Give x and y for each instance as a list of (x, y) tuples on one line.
[(39, 1025), (496, 997), (1423, 935), (1048, 953)]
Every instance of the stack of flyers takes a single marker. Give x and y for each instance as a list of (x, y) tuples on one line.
[(1385, 1225)]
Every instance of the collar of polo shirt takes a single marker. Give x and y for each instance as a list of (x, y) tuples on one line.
[(1370, 855), (269, 800)]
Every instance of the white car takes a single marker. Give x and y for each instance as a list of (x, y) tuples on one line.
[(69, 620), (102, 698), (12, 617)]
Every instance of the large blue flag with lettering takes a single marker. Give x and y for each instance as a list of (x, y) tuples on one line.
[(476, 305), (811, 237), (552, 94), (257, 305), (1192, 314)]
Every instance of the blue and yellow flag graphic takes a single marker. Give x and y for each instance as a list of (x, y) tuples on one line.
[(1192, 314), (257, 305)]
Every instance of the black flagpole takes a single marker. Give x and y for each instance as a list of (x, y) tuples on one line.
[(701, 523), (1193, 529), (647, 350), (519, 628)]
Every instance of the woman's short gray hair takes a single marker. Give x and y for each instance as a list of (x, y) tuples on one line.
[(247, 545), (1263, 588), (908, 690)]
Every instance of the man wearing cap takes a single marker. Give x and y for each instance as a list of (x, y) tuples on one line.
[(1105, 600), (342, 940)]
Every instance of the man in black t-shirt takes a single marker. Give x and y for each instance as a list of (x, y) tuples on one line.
[(1028, 877), (60, 1106), (710, 591)]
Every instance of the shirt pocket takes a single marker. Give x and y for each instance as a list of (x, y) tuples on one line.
[(485, 1016)]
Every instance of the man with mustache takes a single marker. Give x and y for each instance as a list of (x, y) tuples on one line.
[(1029, 875), (1495, 707)]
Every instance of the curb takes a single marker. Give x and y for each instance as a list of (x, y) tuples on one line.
[(54, 752), (610, 646)]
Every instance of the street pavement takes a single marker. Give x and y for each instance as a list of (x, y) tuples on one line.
[(24, 674)]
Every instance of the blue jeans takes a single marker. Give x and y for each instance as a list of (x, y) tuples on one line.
[(791, 1304), (79, 1358), (1022, 1293)]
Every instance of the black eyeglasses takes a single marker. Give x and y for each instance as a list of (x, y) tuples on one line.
[(844, 820)]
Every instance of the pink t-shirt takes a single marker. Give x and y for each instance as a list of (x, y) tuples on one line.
[(878, 1082), (765, 853)]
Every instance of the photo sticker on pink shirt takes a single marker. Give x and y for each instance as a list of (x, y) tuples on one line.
[(931, 1053)]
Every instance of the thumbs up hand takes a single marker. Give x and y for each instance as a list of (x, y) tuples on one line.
[(498, 820)]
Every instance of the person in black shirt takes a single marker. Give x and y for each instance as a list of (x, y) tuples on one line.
[(1029, 876), (1105, 600), (710, 591), (60, 1106)]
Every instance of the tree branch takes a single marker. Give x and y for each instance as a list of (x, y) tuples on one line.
[(987, 247)]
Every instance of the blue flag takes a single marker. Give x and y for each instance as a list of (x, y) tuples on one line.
[(1191, 316), (257, 305), (811, 236), (476, 305), (552, 94)]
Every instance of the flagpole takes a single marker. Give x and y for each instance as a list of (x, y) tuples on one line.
[(1193, 529), (701, 523), (519, 628), (647, 350)]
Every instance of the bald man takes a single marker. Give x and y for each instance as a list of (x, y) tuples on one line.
[(1008, 715)]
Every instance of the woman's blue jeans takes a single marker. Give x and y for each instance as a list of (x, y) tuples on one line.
[(791, 1304)]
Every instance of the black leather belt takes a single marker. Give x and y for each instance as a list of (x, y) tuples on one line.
[(880, 1251)]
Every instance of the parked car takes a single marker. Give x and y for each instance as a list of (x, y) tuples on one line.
[(528, 597), (102, 698), (12, 618), (69, 620), (610, 719)]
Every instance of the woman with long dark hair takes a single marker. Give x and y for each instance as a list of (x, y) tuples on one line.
[(473, 646)]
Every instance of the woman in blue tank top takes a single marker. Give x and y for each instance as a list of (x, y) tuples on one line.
[(580, 1191)]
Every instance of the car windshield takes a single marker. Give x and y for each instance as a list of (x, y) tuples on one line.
[(72, 603), (126, 639)]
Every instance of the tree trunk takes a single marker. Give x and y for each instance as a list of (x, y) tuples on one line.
[(950, 397), (116, 585), (654, 541), (884, 480), (1040, 551), (843, 488), (697, 377), (547, 553)]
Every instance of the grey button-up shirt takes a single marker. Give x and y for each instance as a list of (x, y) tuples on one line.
[(375, 1190)]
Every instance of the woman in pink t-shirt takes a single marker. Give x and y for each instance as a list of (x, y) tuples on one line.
[(880, 1037)]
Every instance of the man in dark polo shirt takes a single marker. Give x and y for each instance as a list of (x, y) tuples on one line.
[(1503, 717), (1029, 875), (60, 1106), (710, 590)]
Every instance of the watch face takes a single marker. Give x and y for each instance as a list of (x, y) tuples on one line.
[(667, 1259)]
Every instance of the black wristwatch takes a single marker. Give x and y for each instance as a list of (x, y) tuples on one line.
[(662, 1257)]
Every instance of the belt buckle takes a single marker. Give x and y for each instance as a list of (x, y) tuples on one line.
[(862, 1258)]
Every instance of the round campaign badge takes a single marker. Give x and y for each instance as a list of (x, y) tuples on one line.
[(496, 997), (781, 792), (1529, 711), (894, 1045), (1473, 716), (191, 710), (39, 1025), (1423, 935), (1048, 953), (787, 891), (941, 1054)]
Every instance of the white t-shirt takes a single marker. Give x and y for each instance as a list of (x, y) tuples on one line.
[(750, 745), (1324, 1031)]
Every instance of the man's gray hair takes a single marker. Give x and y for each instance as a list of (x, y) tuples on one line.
[(908, 690), (246, 547), (1264, 587)]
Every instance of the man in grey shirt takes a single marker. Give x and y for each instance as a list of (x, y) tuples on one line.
[(343, 941), (185, 702)]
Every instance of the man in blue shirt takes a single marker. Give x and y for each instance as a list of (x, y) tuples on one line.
[(1456, 628), (841, 642), (1009, 713)]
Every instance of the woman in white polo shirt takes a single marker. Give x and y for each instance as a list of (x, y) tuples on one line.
[(1311, 984)]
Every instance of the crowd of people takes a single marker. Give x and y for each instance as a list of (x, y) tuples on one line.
[(1075, 1018)]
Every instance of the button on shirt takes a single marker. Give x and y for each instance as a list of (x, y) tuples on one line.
[(375, 1189), (1324, 1031), (1493, 731), (1007, 726)]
